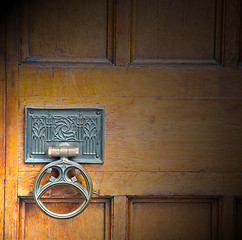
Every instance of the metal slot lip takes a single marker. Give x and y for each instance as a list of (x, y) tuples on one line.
[(81, 128)]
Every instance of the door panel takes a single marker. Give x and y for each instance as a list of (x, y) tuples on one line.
[(174, 30), (92, 224), (173, 218), (173, 113), (61, 32)]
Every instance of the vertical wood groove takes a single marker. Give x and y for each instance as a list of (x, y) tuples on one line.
[(24, 31), (132, 30), (22, 209), (119, 218), (218, 54), (122, 32), (231, 33), (215, 219), (110, 30), (227, 229)]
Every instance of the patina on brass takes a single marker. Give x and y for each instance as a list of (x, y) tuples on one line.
[(63, 166), (82, 128), (63, 150)]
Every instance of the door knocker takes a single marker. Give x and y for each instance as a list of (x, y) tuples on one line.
[(63, 138), (63, 166)]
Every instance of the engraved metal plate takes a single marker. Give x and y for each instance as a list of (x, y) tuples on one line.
[(80, 127)]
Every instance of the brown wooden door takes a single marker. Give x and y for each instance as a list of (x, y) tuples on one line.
[(168, 74)]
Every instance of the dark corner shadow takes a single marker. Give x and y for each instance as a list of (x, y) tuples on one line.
[(7, 6)]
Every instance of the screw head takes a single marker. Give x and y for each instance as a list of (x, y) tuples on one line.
[(74, 179), (49, 170), (52, 179)]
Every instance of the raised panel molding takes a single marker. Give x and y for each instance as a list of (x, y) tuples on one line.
[(60, 32), (173, 218), (93, 223), (176, 32)]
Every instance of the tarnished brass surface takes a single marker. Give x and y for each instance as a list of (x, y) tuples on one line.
[(82, 128), (63, 166), (63, 151)]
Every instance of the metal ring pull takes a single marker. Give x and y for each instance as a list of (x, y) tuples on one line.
[(63, 166)]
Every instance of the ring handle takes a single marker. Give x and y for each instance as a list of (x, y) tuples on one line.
[(63, 166)]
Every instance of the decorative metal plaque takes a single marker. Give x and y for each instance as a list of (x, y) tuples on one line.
[(80, 127)]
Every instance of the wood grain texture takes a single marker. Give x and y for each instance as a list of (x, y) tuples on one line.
[(93, 223), (11, 198), (2, 185), (130, 82), (11, 209), (174, 135), (2, 100), (173, 219), (153, 183), (119, 217), (2, 124), (177, 30), (63, 31), (12, 133)]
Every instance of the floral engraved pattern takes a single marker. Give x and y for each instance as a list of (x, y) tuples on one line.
[(52, 128), (38, 135), (90, 135)]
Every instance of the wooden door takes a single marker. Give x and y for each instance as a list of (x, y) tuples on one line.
[(168, 74)]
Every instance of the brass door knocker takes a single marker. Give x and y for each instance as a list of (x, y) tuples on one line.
[(63, 165)]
